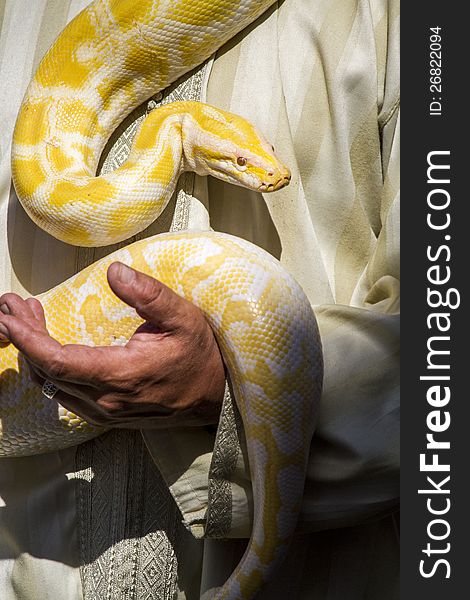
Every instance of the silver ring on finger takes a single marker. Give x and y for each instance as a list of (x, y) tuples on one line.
[(49, 389)]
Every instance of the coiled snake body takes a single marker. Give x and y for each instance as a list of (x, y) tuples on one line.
[(109, 59)]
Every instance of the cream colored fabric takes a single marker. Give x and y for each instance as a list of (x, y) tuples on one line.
[(320, 78), (330, 105)]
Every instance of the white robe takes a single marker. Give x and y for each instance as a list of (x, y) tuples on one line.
[(320, 79)]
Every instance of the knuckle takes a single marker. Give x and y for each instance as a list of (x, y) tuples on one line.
[(9, 297), (151, 293), (34, 303), (110, 406), (125, 383), (9, 303), (55, 367)]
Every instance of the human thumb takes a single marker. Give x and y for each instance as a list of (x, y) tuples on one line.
[(153, 300)]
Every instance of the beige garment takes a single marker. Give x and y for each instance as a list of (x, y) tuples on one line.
[(320, 78)]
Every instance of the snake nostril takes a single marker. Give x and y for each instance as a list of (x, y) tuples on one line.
[(270, 174)]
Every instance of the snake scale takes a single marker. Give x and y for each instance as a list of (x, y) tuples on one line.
[(113, 56)]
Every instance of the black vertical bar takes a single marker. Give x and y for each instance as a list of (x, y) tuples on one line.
[(435, 260)]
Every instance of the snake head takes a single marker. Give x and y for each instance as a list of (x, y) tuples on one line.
[(230, 148)]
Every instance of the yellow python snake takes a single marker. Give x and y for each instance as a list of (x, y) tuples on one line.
[(109, 59)]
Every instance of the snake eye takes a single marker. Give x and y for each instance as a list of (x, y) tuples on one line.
[(241, 161)]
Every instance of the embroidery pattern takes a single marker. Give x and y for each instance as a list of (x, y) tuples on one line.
[(126, 537), (224, 461)]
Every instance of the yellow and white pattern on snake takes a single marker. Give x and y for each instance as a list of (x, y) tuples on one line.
[(111, 58), (268, 336), (108, 60)]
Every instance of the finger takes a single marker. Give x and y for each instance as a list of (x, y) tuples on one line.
[(4, 336), (13, 329), (9, 303), (37, 310), (81, 400), (27, 338), (83, 392), (153, 300), (84, 365), (4, 333), (104, 409), (73, 363), (88, 411), (12, 304)]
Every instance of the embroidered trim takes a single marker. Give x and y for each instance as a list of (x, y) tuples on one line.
[(127, 539), (224, 461)]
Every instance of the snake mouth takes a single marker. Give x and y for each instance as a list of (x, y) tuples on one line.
[(277, 185), (278, 181)]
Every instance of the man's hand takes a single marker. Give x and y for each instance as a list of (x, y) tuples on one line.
[(169, 373)]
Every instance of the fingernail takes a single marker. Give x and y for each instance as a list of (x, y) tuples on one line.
[(4, 333), (4, 308), (125, 274)]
